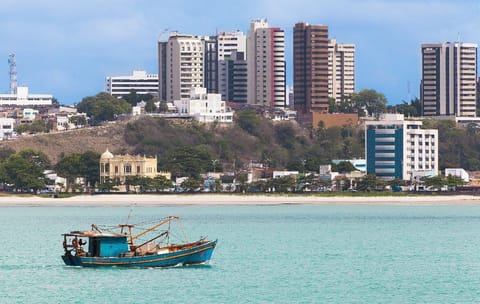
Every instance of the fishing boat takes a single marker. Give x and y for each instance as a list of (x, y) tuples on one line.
[(119, 246)]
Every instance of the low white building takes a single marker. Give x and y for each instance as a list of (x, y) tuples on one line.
[(205, 107), (29, 114), (23, 98), (458, 172), (284, 173), (140, 82), (65, 122), (7, 128)]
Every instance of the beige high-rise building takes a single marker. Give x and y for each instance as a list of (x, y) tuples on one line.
[(341, 70), (448, 86), (180, 65), (266, 84)]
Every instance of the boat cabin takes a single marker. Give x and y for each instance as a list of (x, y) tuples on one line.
[(99, 244)]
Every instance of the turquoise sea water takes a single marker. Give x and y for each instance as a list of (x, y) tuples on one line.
[(265, 254)]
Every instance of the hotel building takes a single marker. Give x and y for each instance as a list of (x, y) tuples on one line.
[(266, 85), (448, 86), (397, 148)]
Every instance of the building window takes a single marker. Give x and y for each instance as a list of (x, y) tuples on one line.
[(116, 169), (138, 169), (128, 169)]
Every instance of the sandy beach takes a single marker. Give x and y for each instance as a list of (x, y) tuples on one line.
[(232, 199)]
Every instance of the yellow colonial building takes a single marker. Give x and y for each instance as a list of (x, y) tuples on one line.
[(119, 167)]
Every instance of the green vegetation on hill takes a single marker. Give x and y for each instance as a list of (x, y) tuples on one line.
[(457, 147), (280, 145), (189, 148)]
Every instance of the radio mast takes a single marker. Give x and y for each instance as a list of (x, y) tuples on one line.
[(13, 73)]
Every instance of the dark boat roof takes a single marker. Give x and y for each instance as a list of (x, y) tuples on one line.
[(94, 234)]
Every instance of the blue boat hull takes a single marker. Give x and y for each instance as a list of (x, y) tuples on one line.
[(194, 255)]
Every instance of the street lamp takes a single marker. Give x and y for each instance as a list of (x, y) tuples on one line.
[(214, 162)]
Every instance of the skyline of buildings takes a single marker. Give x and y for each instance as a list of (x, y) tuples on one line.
[(223, 65)]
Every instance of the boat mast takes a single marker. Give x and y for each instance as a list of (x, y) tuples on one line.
[(162, 222)]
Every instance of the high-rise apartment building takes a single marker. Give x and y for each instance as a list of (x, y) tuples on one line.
[(310, 70), (341, 70), (181, 66), (139, 82), (397, 148), (266, 65), (233, 84), (448, 86), (218, 49)]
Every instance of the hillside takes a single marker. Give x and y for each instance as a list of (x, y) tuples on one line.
[(95, 139), (251, 138), (280, 145)]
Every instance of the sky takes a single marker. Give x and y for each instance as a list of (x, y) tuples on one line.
[(67, 48)]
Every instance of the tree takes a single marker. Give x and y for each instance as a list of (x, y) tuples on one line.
[(84, 165), (133, 98), (68, 167), (435, 182), (150, 107), (103, 107), (22, 173), (5, 152), (249, 120), (370, 182), (190, 184), (343, 166), (108, 185), (78, 120), (161, 183), (190, 161), (89, 167), (371, 101), (283, 184), (454, 181), (163, 107)]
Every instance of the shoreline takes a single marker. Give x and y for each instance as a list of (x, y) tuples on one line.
[(122, 200)]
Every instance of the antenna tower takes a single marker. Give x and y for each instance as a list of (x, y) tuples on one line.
[(13, 73)]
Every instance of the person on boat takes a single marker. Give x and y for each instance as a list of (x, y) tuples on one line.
[(81, 242), (75, 243)]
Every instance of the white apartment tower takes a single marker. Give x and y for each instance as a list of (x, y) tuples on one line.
[(181, 66), (448, 86), (229, 42), (266, 65), (341, 70)]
